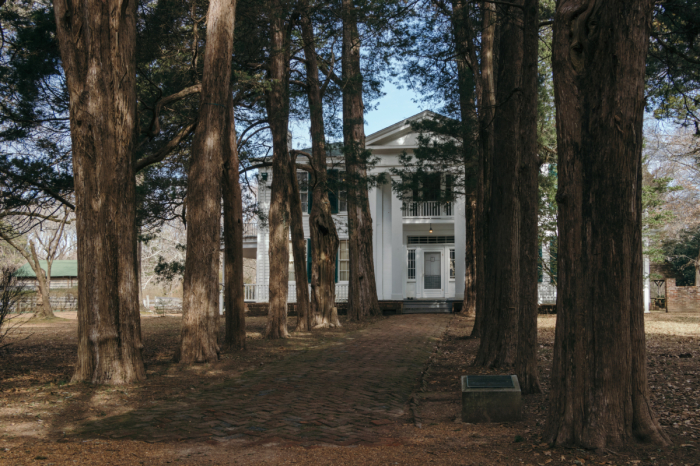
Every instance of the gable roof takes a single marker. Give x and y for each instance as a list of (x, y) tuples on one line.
[(397, 131), (60, 268), (400, 133)]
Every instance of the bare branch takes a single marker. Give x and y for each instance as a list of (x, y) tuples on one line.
[(165, 150)]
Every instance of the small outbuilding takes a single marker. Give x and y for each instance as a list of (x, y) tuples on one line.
[(64, 274)]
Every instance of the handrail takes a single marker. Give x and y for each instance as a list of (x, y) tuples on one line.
[(427, 209)]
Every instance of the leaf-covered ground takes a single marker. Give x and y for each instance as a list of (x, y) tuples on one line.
[(37, 404)]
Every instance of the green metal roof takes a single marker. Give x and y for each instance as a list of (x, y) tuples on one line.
[(59, 268)]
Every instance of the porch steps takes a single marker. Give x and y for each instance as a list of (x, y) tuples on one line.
[(415, 306)]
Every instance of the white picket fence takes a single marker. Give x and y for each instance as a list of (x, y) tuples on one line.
[(261, 293)]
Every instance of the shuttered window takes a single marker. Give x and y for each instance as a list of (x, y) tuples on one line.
[(343, 261)]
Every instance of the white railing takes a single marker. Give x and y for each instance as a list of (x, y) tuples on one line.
[(249, 292), (250, 230), (341, 292), (261, 293), (427, 209), (546, 293)]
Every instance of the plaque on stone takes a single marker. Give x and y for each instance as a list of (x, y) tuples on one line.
[(489, 381), (490, 398)]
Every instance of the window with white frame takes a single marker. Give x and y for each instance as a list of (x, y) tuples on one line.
[(452, 264), (411, 264), (303, 180), (343, 261)]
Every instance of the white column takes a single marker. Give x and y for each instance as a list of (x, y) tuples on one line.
[(647, 298), (460, 230), (385, 258), (398, 256), (375, 208)]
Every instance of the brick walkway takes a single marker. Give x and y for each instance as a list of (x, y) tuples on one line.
[(341, 395)]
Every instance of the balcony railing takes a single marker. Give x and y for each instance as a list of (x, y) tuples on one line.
[(427, 209), (250, 230), (261, 293)]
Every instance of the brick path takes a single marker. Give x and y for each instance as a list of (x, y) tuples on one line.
[(340, 395)]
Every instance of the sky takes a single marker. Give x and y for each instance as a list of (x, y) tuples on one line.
[(394, 106)]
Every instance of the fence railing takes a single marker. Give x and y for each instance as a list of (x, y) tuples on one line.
[(546, 293), (58, 303), (261, 293), (427, 209), (250, 230)]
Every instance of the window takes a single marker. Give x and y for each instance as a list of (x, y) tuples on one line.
[(411, 264), (303, 180), (344, 261), (452, 264)]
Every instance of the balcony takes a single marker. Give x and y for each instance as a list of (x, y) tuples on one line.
[(250, 230), (427, 209)]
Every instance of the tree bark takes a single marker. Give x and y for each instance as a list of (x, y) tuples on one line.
[(526, 359), (487, 106), (467, 82), (234, 298), (43, 282), (324, 236), (298, 250), (500, 324), (97, 42), (600, 394), (362, 289), (277, 100), (200, 307), (469, 302)]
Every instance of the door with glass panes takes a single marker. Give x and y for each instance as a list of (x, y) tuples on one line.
[(432, 274)]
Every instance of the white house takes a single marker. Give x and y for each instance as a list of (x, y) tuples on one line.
[(416, 244)]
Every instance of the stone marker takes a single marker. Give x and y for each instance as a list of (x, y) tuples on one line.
[(490, 398)]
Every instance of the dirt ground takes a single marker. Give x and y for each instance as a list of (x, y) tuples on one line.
[(40, 410)]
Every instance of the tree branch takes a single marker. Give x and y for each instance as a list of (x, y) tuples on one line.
[(165, 150), (154, 127)]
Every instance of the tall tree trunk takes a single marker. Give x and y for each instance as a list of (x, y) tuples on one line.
[(43, 283), (298, 249), (277, 100), (233, 238), (468, 85), (324, 236), (600, 394), (97, 42), (362, 290), (526, 359), (500, 324), (469, 301), (200, 307), (487, 107)]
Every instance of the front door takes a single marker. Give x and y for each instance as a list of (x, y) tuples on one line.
[(432, 274)]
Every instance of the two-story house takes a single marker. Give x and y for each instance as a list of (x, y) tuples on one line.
[(416, 244)]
